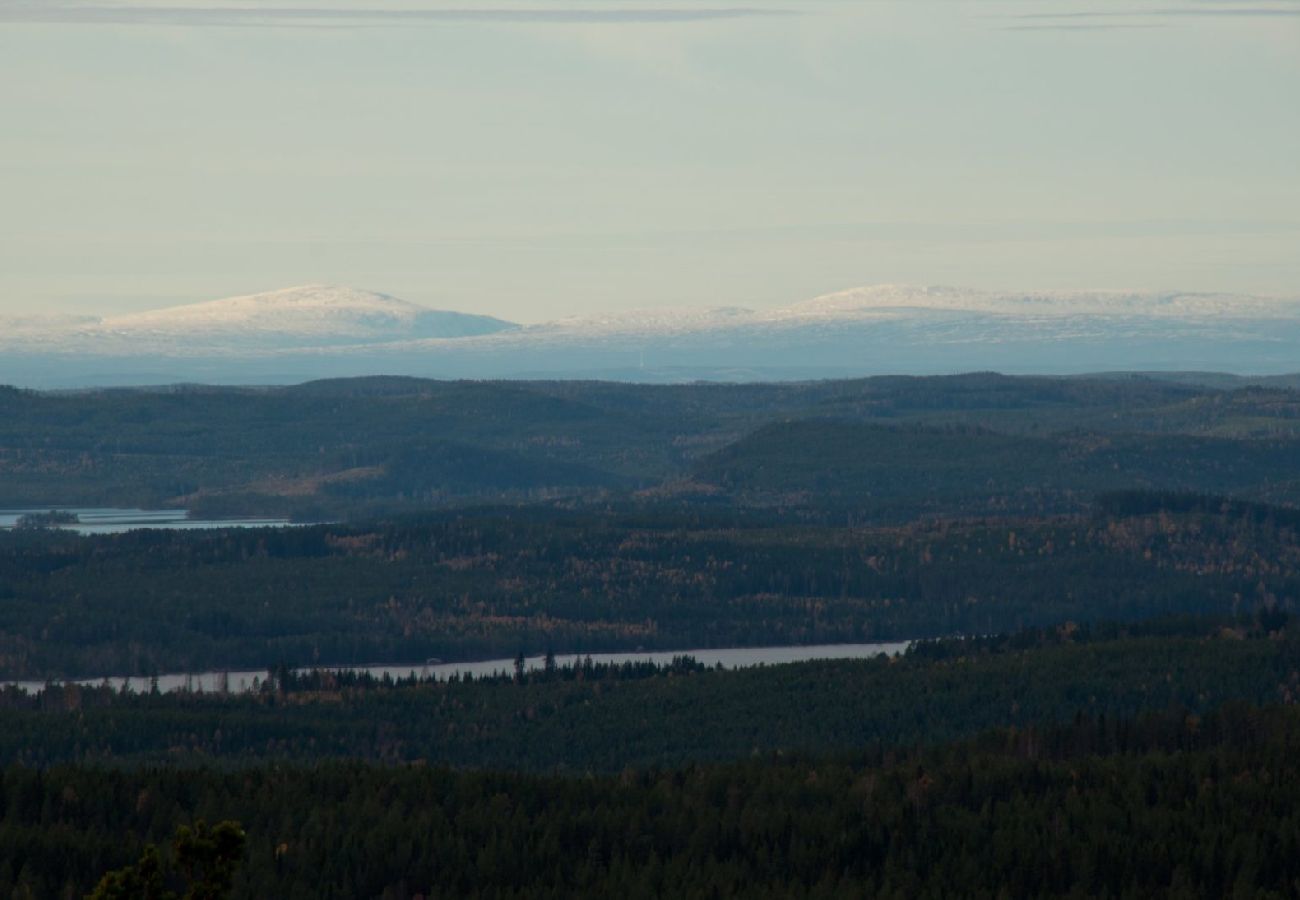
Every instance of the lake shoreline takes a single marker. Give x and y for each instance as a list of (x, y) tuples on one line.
[(93, 520), (245, 680)]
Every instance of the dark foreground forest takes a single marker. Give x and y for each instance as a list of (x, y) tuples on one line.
[(1109, 761), (1166, 805)]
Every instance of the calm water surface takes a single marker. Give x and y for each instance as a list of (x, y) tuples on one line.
[(729, 658), (110, 520)]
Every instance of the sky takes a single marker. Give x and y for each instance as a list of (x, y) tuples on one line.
[(533, 160)]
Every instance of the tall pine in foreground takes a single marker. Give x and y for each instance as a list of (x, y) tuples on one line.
[(205, 857)]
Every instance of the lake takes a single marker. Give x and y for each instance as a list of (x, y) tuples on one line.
[(111, 520), (728, 658)]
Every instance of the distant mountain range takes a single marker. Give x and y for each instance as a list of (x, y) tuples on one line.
[(327, 331), (310, 317)]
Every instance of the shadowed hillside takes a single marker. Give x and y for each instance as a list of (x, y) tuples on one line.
[(361, 447)]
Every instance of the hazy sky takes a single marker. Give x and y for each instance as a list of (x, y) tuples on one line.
[(545, 159)]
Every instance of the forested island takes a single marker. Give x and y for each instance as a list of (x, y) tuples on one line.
[(51, 519)]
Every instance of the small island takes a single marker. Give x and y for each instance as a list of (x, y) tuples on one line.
[(52, 519)]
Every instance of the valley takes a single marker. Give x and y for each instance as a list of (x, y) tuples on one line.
[(496, 591)]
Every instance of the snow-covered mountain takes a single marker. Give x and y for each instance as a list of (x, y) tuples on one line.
[(321, 330), (873, 300), (310, 316)]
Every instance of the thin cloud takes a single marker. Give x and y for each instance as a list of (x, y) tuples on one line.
[(1131, 19), (1248, 11), (1179, 12), (194, 16), (1072, 26)]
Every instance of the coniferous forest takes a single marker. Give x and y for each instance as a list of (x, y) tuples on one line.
[(1098, 576)]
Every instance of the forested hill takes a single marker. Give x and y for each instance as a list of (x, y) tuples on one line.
[(372, 446), (486, 583), (963, 469), (1130, 733)]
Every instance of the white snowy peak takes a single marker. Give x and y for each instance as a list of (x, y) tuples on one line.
[(317, 312), (877, 299), (863, 306), (327, 319)]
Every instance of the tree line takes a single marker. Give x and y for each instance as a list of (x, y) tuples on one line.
[(1162, 805)]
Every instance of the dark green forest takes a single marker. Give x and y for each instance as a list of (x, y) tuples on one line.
[(356, 448), (600, 718), (488, 583), (1165, 805), (1099, 576)]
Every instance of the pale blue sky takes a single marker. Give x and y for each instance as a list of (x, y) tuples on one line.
[(567, 157)]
